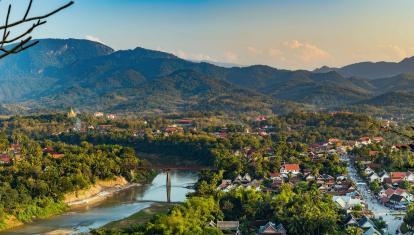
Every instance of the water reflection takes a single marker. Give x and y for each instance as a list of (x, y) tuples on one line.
[(122, 205)]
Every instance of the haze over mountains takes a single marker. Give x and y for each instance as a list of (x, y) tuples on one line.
[(58, 74)]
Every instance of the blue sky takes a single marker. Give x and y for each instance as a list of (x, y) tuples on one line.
[(285, 34)]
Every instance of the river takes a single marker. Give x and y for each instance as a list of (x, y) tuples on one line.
[(121, 205)]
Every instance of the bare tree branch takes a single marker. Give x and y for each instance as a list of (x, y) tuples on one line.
[(25, 39)]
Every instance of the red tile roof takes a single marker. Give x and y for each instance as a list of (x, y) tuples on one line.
[(398, 175), (291, 167), (389, 192), (334, 140), (275, 174), (5, 158), (399, 191), (373, 153), (364, 138), (378, 139)]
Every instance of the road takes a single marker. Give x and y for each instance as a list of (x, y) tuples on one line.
[(373, 204)]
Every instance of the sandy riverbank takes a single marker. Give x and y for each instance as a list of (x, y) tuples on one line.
[(97, 193)]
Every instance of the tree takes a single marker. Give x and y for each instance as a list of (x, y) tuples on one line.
[(375, 186), (13, 44), (354, 230), (409, 217), (405, 185)]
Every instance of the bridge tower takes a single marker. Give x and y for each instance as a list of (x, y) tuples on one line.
[(168, 184)]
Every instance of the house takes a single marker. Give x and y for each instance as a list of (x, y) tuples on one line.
[(404, 193), (409, 177), (261, 118), (364, 141), (290, 168), (371, 231), (225, 185), (383, 175), (271, 228), (5, 159), (347, 202), (104, 127), (351, 221), (397, 200), (334, 141), (372, 177), (254, 184), (368, 171), (275, 175), (15, 147), (229, 227), (386, 193), (277, 182), (246, 178), (185, 122), (378, 139), (57, 155), (398, 177), (366, 223), (309, 177), (48, 150), (325, 179), (111, 116), (98, 114), (373, 153), (243, 180), (341, 178)]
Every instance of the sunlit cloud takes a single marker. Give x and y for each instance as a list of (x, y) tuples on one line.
[(94, 38), (292, 54), (254, 51), (304, 51), (383, 52), (230, 56), (196, 57)]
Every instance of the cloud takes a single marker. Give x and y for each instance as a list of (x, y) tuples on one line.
[(94, 38), (254, 50), (181, 54), (306, 52), (197, 57), (382, 52), (394, 52), (293, 54), (230, 56)]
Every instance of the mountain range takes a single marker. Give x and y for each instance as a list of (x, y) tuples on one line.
[(62, 73)]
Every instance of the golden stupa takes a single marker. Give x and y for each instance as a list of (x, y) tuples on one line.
[(71, 113)]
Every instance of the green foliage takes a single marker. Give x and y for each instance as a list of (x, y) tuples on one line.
[(40, 208), (33, 186), (306, 213), (409, 217), (375, 186), (190, 218)]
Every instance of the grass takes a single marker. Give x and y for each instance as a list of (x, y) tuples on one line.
[(140, 217)]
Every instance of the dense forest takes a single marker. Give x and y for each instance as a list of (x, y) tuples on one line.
[(38, 174)]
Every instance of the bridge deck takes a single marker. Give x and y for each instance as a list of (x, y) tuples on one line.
[(195, 168)]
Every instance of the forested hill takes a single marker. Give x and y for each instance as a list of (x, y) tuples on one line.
[(58, 74)]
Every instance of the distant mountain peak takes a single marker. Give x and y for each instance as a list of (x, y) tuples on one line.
[(407, 60)]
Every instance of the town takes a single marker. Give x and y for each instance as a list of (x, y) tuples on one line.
[(366, 178)]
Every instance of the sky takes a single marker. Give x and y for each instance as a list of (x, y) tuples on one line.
[(292, 34)]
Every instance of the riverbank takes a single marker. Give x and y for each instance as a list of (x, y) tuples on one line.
[(139, 218), (122, 204), (97, 193)]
